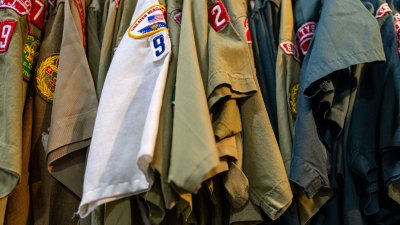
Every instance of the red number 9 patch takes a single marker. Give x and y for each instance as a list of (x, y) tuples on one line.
[(6, 32)]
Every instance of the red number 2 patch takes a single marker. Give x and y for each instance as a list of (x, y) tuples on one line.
[(6, 32), (218, 15)]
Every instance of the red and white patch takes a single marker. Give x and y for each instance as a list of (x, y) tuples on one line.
[(397, 27), (22, 7), (36, 17), (177, 15), (290, 49), (246, 28), (218, 16), (81, 11), (382, 10), (6, 33), (305, 35)]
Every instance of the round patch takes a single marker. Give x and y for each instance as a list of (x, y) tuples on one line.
[(294, 90), (31, 52), (46, 77)]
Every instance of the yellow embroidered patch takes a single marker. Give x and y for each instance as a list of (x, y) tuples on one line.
[(31, 52), (294, 90), (151, 21), (46, 77)]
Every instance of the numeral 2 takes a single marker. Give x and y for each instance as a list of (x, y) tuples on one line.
[(216, 11)]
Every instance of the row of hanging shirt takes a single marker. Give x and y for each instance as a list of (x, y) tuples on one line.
[(187, 131)]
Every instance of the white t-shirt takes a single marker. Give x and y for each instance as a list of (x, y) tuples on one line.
[(127, 120)]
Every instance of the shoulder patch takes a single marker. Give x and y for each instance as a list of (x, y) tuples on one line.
[(36, 17), (305, 35), (218, 16), (160, 45), (247, 30), (22, 7), (382, 10), (290, 49), (177, 16), (46, 77), (397, 27), (79, 6), (151, 21), (294, 90), (31, 52), (6, 33)]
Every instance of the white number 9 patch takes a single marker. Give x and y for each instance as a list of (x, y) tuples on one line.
[(160, 44)]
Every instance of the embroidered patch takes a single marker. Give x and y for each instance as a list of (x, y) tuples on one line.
[(397, 27), (161, 46), (151, 21), (177, 16), (294, 90), (79, 7), (46, 77), (382, 10), (246, 28), (218, 16), (6, 33), (290, 49), (36, 17), (31, 52), (305, 35), (22, 7)]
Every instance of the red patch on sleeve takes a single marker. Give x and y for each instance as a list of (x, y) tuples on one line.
[(6, 33), (248, 34), (382, 10), (305, 35), (22, 7), (36, 17), (218, 16), (290, 49)]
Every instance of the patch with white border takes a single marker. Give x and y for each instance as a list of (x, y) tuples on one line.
[(6, 33), (305, 35), (31, 53), (22, 7), (160, 44), (177, 16), (218, 16), (37, 14), (46, 77), (290, 49), (382, 10), (151, 21), (247, 30)]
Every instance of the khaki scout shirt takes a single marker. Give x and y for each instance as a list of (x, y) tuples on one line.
[(13, 29), (74, 105), (195, 155), (287, 78), (18, 203), (54, 203)]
